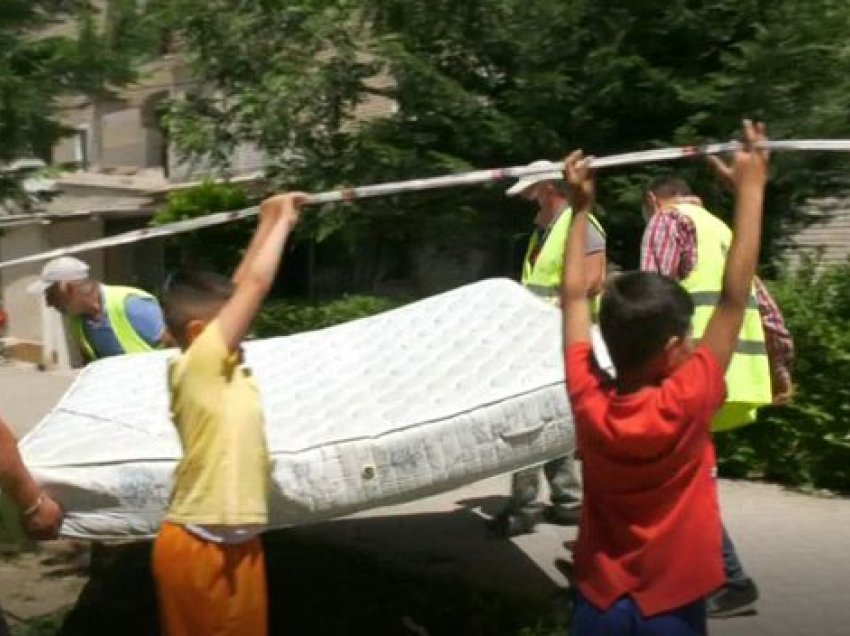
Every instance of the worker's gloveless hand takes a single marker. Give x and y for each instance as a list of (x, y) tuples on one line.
[(579, 177), (46, 521), (783, 388), (284, 207), (750, 167)]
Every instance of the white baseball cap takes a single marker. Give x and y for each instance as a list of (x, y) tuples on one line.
[(59, 270), (526, 182)]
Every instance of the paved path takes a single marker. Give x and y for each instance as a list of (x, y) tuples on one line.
[(27, 395), (797, 547)]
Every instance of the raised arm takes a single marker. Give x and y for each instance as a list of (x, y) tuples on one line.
[(574, 288), (256, 274), (750, 173), (780, 344), (594, 270), (724, 172)]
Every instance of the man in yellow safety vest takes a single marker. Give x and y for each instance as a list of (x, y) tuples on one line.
[(542, 271), (105, 320), (685, 241)]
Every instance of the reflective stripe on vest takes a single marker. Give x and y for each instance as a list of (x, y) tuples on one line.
[(544, 276), (710, 299), (744, 347), (748, 375), (114, 298)]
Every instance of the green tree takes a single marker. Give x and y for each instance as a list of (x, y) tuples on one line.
[(484, 83), (37, 68), (218, 248), (805, 443)]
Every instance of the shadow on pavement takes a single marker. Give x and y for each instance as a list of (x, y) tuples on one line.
[(417, 574)]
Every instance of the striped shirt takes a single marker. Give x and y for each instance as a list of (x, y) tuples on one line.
[(669, 247)]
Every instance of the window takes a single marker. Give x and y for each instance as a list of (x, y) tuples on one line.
[(155, 137), (81, 147)]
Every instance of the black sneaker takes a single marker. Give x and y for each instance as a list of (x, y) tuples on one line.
[(563, 515), (733, 599), (512, 523)]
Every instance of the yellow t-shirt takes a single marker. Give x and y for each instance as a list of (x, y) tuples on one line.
[(224, 476)]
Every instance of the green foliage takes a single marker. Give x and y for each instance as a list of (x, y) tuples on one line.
[(218, 248), (282, 318), (808, 442), (484, 83), (289, 78), (284, 74), (37, 68)]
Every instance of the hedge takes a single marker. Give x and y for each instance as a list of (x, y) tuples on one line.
[(286, 317), (806, 443)]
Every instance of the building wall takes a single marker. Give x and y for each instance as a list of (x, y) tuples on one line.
[(122, 139), (122, 133), (24, 310), (76, 113), (64, 233), (30, 320), (136, 264), (826, 235)]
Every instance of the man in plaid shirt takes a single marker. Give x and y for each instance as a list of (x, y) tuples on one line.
[(669, 247)]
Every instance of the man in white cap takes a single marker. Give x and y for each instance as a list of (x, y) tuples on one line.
[(105, 320), (542, 272)]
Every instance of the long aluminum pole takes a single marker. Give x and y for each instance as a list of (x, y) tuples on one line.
[(415, 185)]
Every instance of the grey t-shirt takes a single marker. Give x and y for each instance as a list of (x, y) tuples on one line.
[(595, 240)]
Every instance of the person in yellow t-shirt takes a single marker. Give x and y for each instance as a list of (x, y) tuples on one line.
[(208, 560)]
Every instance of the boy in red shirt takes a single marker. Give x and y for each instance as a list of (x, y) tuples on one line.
[(648, 550)]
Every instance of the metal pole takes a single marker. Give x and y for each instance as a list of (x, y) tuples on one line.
[(416, 185)]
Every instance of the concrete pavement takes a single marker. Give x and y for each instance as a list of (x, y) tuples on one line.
[(796, 547), (27, 394)]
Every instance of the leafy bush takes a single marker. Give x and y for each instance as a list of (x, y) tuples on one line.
[(217, 248), (806, 443), (284, 317)]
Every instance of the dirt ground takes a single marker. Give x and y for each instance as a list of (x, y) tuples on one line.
[(42, 581)]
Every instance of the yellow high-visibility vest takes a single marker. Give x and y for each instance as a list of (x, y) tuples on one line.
[(544, 275), (114, 298), (748, 376)]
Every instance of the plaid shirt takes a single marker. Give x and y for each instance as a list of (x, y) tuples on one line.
[(669, 247)]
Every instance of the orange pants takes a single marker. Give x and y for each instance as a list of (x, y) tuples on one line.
[(209, 589)]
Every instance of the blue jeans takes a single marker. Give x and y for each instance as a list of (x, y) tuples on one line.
[(731, 563), (623, 618), (560, 473)]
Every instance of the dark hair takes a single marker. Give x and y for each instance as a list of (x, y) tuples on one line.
[(639, 313), (193, 296), (669, 187)]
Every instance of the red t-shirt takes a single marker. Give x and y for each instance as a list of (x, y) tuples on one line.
[(650, 524)]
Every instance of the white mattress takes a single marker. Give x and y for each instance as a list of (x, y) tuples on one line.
[(411, 402)]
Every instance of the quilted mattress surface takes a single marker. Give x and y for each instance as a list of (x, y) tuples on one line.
[(411, 402)]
